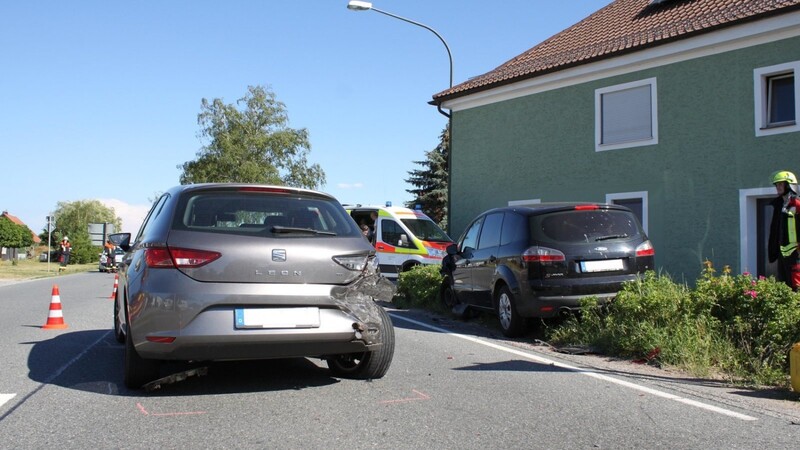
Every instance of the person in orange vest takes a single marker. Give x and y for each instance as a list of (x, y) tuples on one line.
[(109, 252), (784, 228), (66, 249)]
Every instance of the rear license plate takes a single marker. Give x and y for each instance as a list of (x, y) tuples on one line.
[(276, 318), (606, 265)]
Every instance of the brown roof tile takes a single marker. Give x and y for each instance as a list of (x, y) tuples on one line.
[(620, 27)]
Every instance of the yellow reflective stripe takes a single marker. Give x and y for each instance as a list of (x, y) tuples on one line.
[(787, 249)]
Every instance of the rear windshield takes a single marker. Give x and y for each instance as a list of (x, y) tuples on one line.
[(584, 226), (426, 230), (250, 213)]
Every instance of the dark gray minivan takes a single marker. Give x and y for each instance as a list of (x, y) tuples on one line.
[(540, 261)]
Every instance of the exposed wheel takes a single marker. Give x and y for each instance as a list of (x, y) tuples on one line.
[(511, 323), (409, 265), (138, 371), (118, 334), (367, 365)]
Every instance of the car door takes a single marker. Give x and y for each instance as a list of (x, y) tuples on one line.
[(462, 275), (484, 259)]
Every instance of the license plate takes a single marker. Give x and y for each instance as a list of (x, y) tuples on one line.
[(606, 265), (276, 317)]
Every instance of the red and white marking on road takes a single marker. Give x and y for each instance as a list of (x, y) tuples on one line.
[(187, 413), (419, 396)]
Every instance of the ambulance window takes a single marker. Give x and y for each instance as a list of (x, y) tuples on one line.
[(391, 232)]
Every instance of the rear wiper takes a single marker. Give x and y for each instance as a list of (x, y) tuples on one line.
[(611, 236), (281, 229)]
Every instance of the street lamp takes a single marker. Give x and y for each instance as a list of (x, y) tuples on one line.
[(357, 5)]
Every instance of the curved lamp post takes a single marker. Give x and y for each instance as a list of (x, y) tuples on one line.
[(357, 5)]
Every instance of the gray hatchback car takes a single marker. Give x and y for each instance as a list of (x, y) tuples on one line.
[(235, 272), (540, 261)]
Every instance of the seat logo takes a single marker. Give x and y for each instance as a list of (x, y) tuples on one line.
[(279, 255), (601, 249)]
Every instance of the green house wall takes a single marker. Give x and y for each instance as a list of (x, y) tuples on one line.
[(542, 147)]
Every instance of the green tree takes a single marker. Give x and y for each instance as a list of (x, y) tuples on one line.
[(13, 235), (251, 145), (73, 219), (430, 182)]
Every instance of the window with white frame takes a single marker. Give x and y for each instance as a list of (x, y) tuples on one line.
[(776, 99), (626, 115), (636, 201)]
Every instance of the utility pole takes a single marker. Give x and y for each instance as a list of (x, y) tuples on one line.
[(50, 220)]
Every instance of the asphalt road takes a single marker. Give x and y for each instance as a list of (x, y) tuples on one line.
[(451, 385)]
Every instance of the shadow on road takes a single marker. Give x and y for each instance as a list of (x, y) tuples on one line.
[(92, 361)]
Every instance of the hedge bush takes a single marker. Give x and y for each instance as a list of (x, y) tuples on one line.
[(419, 288)]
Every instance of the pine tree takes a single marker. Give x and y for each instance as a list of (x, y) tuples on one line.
[(430, 182)]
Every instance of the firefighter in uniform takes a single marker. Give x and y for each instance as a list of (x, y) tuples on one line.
[(784, 228), (66, 250)]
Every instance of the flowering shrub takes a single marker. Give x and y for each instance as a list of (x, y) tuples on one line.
[(735, 324), (760, 317)]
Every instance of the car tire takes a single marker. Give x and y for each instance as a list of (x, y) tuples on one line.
[(138, 371), (511, 323), (409, 265), (118, 334), (368, 365)]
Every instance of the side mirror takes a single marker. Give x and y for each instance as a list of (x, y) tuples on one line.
[(403, 241), (121, 240)]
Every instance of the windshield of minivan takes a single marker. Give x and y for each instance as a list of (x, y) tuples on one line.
[(426, 230), (584, 226)]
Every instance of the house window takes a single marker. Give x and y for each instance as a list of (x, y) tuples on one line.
[(626, 115), (780, 100), (636, 201), (776, 99)]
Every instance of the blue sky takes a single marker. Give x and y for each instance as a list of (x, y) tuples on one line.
[(99, 99)]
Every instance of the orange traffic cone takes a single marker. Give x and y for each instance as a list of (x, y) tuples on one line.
[(116, 283), (55, 320)]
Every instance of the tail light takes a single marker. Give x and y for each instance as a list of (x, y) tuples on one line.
[(180, 258), (272, 190), (356, 263), (645, 249), (161, 339), (542, 255)]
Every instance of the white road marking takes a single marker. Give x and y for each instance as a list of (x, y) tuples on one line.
[(6, 397), (586, 372)]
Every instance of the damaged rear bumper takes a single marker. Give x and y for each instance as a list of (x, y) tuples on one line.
[(348, 323)]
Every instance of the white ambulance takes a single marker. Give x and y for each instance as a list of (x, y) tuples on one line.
[(403, 237)]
